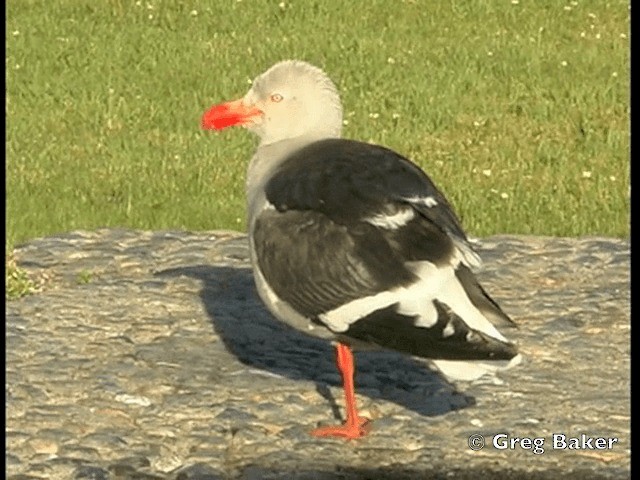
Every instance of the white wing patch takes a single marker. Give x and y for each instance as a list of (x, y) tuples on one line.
[(339, 319), (426, 201), (448, 330), (446, 288), (465, 254), (430, 202), (392, 222), (463, 251), (434, 283), (414, 300)]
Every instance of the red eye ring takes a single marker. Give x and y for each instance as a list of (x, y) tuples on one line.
[(276, 97)]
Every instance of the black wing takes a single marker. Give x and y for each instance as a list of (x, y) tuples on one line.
[(349, 181), (319, 248)]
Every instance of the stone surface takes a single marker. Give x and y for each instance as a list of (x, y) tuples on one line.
[(148, 355)]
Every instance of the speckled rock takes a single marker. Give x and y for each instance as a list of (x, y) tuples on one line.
[(148, 355)]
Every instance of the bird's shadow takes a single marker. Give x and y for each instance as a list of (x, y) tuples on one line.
[(260, 341)]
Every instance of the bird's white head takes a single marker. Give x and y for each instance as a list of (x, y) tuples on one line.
[(292, 99)]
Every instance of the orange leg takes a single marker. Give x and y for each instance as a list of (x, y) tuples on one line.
[(355, 425)]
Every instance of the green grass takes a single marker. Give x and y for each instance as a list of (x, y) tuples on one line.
[(84, 277), (17, 282), (104, 101)]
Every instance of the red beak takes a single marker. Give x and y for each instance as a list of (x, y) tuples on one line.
[(229, 114)]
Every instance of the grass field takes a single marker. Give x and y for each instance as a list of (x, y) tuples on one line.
[(519, 110)]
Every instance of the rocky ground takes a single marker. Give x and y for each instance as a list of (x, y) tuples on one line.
[(148, 355)]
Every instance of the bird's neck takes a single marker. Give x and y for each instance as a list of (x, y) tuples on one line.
[(269, 155)]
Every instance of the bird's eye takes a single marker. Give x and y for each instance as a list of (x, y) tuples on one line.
[(276, 97)]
